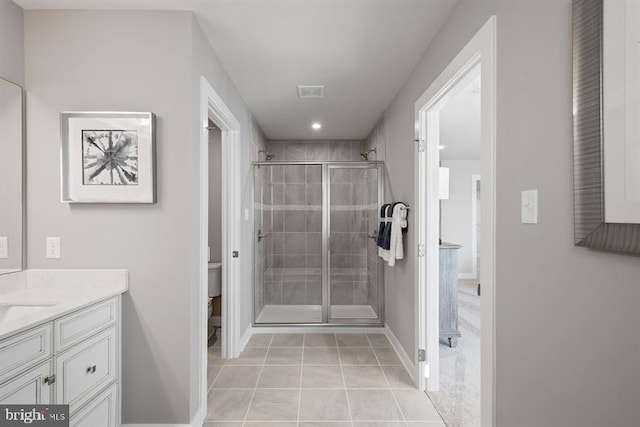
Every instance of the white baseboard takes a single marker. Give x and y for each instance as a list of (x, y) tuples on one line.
[(466, 276), (333, 329), (198, 420), (245, 338), (407, 362)]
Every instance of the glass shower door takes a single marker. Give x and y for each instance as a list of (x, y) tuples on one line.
[(354, 271), (288, 222)]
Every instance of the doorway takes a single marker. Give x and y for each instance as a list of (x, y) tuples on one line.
[(478, 54), (213, 111)]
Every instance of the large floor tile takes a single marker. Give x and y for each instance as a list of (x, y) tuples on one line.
[(280, 405), (250, 356), (222, 424), (321, 356), (379, 340), (357, 356), (280, 377), (416, 406), (373, 405), (327, 405), (270, 424), (287, 340), (320, 340), (323, 424), (379, 424), (214, 357), (259, 340), (352, 340), (426, 424), (284, 356), (387, 356), (228, 405), (237, 377), (212, 374), (398, 377), (364, 377), (322, 377)]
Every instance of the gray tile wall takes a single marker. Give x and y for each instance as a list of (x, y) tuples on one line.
[(343, 151)]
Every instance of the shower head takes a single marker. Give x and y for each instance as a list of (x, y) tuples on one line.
[(365, 155), (267, 156)]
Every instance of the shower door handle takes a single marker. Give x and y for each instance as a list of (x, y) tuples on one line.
[(262, 235)]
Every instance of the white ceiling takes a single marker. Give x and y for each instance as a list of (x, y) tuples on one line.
[(460, 121), (362, 50)]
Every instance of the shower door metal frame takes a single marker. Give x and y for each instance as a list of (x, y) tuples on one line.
[(326, 234)]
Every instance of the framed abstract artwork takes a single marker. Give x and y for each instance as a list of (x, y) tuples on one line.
[(108, 157)]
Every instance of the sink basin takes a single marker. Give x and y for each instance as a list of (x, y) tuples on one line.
[(13, 311)]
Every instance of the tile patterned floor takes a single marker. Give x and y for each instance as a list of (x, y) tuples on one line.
[(315, 380)]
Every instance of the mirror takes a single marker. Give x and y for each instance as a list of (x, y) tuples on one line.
[(11, 178), (606, 136)]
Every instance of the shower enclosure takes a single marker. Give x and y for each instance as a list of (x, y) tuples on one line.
[(316, 259)]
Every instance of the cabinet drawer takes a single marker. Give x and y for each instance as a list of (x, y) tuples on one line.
[(25, 350), (29, 388), (75, 327), (100, 412), (85, 369)]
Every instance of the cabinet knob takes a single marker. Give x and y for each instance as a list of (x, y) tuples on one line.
[(91, 369), (49, 380)]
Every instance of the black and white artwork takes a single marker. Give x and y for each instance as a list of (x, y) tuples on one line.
[(110, 157)]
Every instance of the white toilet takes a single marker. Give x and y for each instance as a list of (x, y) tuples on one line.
[(215, 279)]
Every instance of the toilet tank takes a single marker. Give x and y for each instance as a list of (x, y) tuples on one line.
[(215, 279)]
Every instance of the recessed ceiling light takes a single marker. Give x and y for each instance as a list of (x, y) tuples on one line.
[(442, 147), (316, 126)]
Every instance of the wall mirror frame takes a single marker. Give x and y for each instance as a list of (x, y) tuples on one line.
[(12, 182), (590, 226)]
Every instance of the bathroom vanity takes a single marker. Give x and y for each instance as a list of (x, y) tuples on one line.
[(60, 344)]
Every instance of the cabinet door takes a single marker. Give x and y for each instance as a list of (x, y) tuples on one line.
[(85, 369), (31, 388), (100, 412)]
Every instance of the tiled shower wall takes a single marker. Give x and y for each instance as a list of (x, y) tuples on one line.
[(342, 151)]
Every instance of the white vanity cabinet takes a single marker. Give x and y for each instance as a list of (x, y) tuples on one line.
[(74, 360)]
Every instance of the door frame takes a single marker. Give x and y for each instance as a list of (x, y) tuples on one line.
[(480, 50), (213, 108)]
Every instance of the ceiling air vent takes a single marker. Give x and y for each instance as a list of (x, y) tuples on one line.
[(311, 91)]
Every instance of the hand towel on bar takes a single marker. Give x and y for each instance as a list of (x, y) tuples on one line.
[(383, 224), (399, 221), (386, 219)]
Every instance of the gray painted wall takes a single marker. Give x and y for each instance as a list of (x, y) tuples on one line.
[(160, 58), (11, 42), (215, 194), (567, 327), (456, 211)]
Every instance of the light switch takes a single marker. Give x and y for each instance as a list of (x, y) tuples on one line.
[(4, 247), (53, 247), (530, 207)]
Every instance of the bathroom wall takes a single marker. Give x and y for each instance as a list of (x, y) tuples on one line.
[(456, 212), (11, 42), (215, 194), (344, 151), (567, 331), (160, 59)]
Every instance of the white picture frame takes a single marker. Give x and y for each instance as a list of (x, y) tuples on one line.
[(107, 157)]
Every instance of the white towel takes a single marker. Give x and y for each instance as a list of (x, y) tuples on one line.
[(398, 222)]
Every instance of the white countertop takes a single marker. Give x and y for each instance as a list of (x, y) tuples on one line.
[(22, 308)]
